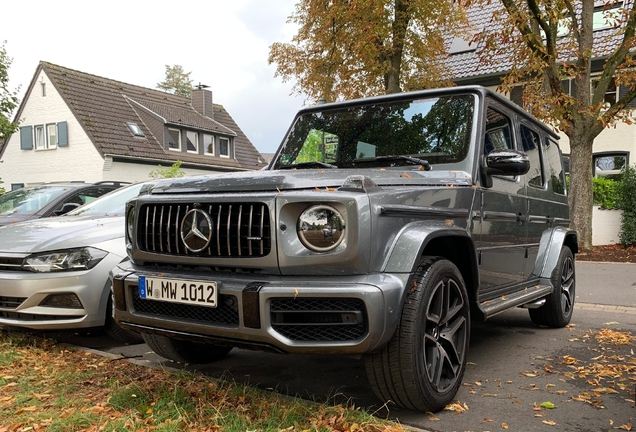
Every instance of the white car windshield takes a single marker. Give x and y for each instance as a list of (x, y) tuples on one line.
[(29, 200)]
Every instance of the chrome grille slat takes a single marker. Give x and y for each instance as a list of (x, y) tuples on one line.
[(238, 237), (229, 224), (161, 229), (249, 233), (233, 224)]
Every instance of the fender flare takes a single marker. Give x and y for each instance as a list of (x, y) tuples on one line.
[(552, 241), (409, 244)]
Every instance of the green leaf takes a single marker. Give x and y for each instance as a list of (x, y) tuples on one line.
[(548, 405)]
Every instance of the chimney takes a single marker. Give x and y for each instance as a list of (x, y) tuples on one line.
[(202, 100)]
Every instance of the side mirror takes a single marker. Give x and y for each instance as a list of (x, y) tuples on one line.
[(503, 163), (66, 208)]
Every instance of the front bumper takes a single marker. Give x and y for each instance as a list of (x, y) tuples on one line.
[(22, 292), (321, 315)]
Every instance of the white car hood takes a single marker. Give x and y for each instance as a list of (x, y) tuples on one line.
[(63, 232)]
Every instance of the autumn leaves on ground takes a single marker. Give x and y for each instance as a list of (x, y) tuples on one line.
[(46, 387)]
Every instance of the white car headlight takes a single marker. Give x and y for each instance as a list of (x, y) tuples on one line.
[(64, 260), (321, 228)]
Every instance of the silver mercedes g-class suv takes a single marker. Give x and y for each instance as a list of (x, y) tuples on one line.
[(381, 227)]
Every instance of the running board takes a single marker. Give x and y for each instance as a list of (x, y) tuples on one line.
[(520, 298)]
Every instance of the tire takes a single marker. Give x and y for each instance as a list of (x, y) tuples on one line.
[(422, 366), (183, 351), (558, 308), (116, 332)]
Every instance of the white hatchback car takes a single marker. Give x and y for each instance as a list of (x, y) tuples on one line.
[(54, 271)]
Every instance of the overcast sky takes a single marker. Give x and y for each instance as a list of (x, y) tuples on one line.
[(225, 44)]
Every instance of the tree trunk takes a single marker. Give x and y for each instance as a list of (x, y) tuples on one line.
[(580, 193)]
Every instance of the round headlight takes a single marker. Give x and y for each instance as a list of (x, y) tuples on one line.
[(130, 223), (321, 228)]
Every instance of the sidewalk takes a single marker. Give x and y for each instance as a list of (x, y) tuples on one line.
[(606, 286)]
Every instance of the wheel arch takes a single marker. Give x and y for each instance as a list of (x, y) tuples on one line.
[(550, 248), (425, 239)]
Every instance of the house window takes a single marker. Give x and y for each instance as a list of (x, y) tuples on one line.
[(43, 89), (224, 147), (208, 144), (174, 139), (192, 144), (604, 19), (609, 164), (40, 138), (135, 129), (51, 136)]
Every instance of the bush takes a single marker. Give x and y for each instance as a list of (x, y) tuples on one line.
[(627, 201), (605, 192)]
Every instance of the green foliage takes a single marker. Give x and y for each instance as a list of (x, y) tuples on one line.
[(173, 172), (605, 192), (177, 81), (627, 201), (1, 188), (8, 99)]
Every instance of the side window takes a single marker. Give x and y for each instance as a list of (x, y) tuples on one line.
[(530, 143), (498, 132), (556, 174), (84, 197)]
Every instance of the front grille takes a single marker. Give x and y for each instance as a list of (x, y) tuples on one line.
[(11, 302), (11, 264), (238, 229), (225, 313), (18, 316), (319, 319)]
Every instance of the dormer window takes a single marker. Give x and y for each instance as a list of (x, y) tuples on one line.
[(174, 139), (135, 129), (192, 142), (208, 144), (224, 147)]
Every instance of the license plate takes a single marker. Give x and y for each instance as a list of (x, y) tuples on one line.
[(192, 292)]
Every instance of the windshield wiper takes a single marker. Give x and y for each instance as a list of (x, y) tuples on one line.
[(312, 164), (401, 158)]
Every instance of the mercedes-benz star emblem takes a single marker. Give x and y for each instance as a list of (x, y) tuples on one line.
[(196, 230)]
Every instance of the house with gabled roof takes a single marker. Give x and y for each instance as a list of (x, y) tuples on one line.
[(76, 126), (613, 149)]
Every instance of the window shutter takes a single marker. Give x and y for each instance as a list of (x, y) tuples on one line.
[(26, 138), (62, 134), (622, 90)]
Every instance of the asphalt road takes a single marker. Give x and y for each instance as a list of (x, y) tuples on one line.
[(513, 367)]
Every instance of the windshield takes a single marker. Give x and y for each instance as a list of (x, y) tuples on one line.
[(29, 200), (436, 130), (113, 203)]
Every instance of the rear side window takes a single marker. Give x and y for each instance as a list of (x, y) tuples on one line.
[(530, 142), (555, 173)]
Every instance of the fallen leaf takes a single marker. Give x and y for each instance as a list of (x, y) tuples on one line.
[(504, 425), (550, 422), (548, 405)]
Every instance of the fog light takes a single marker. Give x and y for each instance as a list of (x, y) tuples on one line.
[(62, 301)]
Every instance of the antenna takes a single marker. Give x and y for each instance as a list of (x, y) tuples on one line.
[(201, 86)]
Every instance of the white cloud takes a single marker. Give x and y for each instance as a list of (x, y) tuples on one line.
[(224, 44)]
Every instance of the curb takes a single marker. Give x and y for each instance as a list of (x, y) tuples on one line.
[(605, 308)]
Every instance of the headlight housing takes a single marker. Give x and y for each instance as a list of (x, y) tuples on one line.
[(321, 228), (64, 260), (130, 223)]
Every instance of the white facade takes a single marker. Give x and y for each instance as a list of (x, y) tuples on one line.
[(80, 161)]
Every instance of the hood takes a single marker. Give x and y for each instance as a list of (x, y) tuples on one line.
[(280, 180), (62, 232), (7, 220)]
